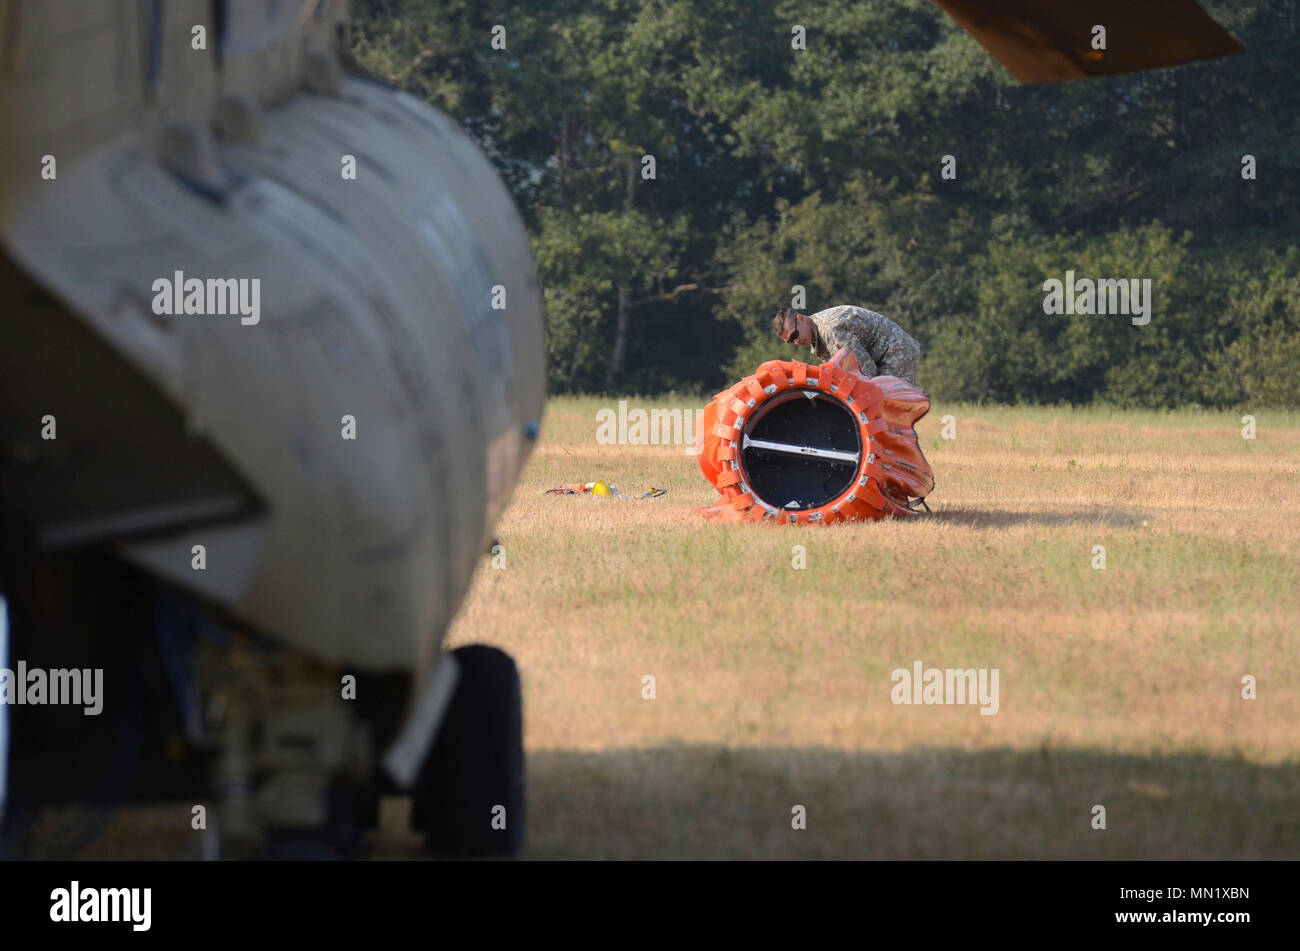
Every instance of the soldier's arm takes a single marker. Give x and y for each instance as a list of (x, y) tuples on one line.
[(894, 351), (902, 358), (842, 335)]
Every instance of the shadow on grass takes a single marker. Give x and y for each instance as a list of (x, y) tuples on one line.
[(983, 518), (717, 802)]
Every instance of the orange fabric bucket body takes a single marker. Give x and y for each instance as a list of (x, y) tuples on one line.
[(890, 467)]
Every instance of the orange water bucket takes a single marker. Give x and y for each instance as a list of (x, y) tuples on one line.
[(809, 444)]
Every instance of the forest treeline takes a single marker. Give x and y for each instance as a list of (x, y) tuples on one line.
[(824, 168)]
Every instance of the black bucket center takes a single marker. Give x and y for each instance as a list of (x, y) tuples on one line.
[(800, 450)]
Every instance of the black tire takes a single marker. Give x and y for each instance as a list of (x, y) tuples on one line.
[(476, 763)]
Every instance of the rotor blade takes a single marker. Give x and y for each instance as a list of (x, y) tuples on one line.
[(1041, 41), (792, 449)]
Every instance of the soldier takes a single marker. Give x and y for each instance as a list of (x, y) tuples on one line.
[(882, 348)]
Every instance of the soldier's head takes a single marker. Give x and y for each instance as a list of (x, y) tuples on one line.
[(793, 327)]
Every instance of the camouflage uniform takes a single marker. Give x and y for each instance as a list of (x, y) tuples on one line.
[(881, 346)]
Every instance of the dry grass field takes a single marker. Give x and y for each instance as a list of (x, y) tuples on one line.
[(1119, 687)]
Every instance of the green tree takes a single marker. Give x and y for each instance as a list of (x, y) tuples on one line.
[(823, 167)]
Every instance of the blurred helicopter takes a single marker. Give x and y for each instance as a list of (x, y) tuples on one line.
[(274, 515), (271, 360)]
